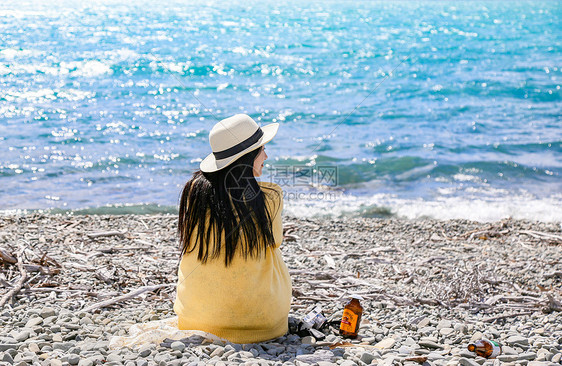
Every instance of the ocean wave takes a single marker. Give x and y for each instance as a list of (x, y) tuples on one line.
[(340, 205), (477, 208)]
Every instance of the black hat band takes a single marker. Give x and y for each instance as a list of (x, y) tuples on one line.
[(240, 146)]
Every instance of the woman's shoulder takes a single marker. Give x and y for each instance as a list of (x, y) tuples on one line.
[(273, 194), (271, 185), (273, 197)]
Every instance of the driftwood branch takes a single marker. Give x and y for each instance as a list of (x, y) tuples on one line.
[(102, 234), (128, 296), (553, 274), (44, 270), (17, 287), (7, 257), (505, 316), (542, 236), (553, 304)]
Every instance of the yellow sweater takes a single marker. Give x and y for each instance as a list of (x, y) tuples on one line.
[(245, 303)]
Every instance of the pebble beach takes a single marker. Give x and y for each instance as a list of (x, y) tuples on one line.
[(429, 287)]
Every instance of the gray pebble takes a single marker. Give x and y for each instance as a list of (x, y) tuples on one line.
[(113, 357), (507, 358), (86, 362), (367, 357), (444, 323), (308, 340), (476, 336), (228, 353), (47, 312), (73, 359), (423, 323), (75, 350), (468, 362), (32, 322), (144, 351), (348, 363), (425, 331), (461, 328), (245, 354), (446, 331), (22, 336), (517, 340), (527, 356), (86, 320), (219, 351), (178, 346), (6, 357), (429, 344), (9, 346), (64, 346), (506, 350), (49, 320)]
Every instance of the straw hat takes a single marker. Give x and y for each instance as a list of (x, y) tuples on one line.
[(233, 137)]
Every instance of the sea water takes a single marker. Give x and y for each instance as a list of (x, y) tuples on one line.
[(403, 108)]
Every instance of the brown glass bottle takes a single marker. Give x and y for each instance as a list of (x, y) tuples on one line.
[(485, 348), (351, 318)]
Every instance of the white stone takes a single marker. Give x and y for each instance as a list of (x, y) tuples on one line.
[(385, 343)]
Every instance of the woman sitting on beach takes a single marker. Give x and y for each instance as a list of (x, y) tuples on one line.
[(232, 281)]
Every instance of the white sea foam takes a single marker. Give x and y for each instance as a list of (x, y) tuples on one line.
[(481, 208), (466, 178)]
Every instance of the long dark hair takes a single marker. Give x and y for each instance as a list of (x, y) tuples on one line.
[(223, 207)]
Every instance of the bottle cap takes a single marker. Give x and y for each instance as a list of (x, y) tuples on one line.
[(354, 296)]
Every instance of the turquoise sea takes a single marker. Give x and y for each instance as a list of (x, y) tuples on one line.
[(444, 109)]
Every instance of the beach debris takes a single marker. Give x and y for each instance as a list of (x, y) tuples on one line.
[(309, 325), (314, 319), (19, 284), (417, 359), (351, 317), (127, 296), (485, 348)]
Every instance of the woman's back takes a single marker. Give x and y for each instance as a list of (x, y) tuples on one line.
[(248, 301)]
